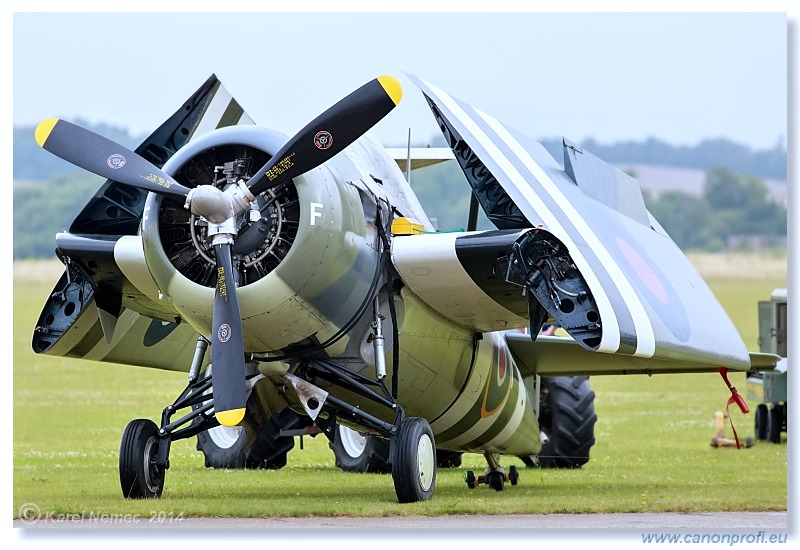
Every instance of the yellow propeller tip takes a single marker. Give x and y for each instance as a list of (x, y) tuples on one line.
[(230, 418), (392, 86), (44, 129)]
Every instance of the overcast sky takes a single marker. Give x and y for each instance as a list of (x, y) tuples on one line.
[(679, 77)]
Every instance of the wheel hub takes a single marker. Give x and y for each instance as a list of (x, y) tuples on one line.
[(151, 475), (426, 457), (353, 442)]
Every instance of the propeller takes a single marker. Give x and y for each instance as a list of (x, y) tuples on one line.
[(316, 143), (104, 157)]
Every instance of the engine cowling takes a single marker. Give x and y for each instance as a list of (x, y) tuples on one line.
[(304, 256)]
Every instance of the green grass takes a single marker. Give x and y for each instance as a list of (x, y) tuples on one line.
[(652, 453)]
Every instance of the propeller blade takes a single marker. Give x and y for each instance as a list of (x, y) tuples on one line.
[(227, 345), (105, 158), (330, 133)]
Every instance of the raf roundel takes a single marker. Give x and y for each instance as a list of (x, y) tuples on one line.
[(323, 139), (116, 161)]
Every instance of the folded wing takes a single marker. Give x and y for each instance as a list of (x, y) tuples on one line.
[(649, 299)]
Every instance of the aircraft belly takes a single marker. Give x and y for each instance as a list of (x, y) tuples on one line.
[(435, 359), (492, 413)]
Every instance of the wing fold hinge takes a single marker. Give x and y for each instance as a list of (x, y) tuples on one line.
[(541, 264)]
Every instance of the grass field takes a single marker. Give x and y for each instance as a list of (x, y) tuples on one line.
[(652, 451)]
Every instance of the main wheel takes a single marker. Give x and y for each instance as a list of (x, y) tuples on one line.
[(231, 448), (138, 474), (566, 419), (223, 446), (357, 452), (762, 421), (414, 472)]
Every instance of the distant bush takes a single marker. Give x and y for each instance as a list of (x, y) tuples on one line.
[(769, 163), (42, 210), (734, 211)]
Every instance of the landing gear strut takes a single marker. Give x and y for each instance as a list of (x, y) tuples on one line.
[(412, 449), (144, 452)]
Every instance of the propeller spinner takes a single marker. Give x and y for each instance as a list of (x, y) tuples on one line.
[(316, 143)]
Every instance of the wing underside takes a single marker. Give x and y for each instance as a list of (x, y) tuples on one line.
[(557, 356)]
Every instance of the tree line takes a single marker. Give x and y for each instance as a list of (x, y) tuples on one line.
[(734, 209)]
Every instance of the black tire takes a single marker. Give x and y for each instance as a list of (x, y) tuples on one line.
[(223, 447), (495, 480), (472, 482), (762, 422), (356, 452), (138, 475), (448, 459), (513, 475), (269, 451), (775, 424), (414, 472), (567, 419), (228, 448)]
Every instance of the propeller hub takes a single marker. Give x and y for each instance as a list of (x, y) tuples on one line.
[(210, 203)]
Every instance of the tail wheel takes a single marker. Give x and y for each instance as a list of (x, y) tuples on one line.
[(496, 480), (357, 452), (566, 420), (414, 469), (138, 474)]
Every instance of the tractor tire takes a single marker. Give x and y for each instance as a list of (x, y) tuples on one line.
[(567, 419)]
